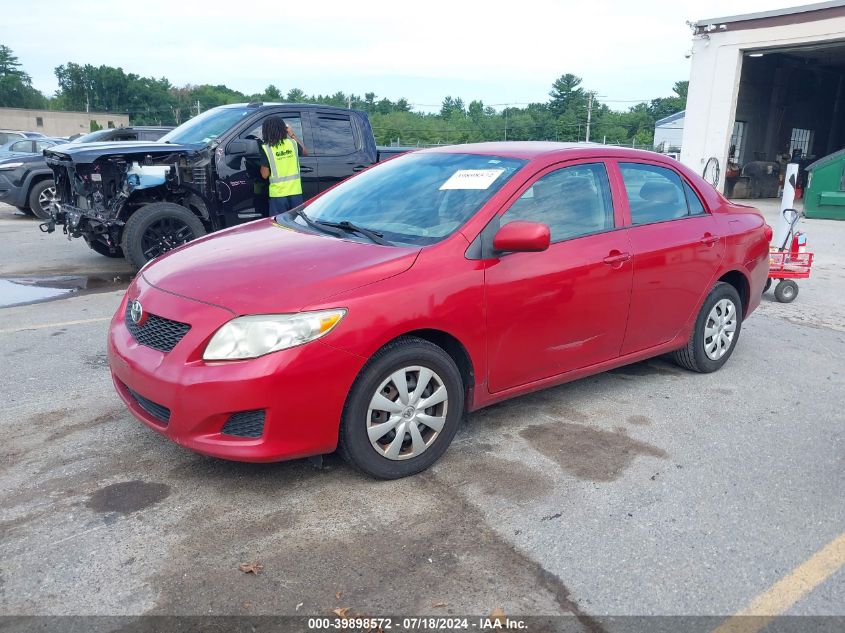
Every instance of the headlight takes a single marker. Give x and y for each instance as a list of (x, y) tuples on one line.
[(10, 165), (252, 336)]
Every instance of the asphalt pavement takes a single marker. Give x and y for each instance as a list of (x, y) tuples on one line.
[(647, 490)]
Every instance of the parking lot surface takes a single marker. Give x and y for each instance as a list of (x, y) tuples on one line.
[(647, 490)]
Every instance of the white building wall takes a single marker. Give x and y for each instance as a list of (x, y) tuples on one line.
[(672, 134), (714, 81), (57, 122)]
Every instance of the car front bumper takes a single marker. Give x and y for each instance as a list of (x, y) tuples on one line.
[(301, 391)]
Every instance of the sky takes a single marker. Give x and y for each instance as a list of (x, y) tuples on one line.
[(501, 53)]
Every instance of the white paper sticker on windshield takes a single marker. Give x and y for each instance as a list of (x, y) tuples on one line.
[(472, 179)]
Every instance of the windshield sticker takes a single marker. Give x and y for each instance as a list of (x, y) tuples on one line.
[(472, 179)]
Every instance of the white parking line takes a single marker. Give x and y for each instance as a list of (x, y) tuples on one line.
[(46, 326)]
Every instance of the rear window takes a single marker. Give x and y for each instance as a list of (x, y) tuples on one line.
[(335, 136)]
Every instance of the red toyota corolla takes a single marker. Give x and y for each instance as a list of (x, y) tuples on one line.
[(371, 318)]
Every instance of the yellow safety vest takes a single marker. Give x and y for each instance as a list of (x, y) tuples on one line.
[(284, 169)]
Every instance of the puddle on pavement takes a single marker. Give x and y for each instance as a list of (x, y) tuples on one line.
[(18, 291)]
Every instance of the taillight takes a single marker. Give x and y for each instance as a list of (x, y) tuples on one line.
[(768, 232)]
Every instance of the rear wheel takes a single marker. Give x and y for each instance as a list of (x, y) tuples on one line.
[(786, 291), (157, 228), (768, 284), (25, 210), (41, 199), (715, 332), (403, 410)]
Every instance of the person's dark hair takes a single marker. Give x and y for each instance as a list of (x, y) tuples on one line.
[(274, 130)]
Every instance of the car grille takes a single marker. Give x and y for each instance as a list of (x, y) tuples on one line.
[(158, 411), (156, 332), (245, 424)]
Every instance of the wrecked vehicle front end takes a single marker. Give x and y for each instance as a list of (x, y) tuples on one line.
[(100, 185)]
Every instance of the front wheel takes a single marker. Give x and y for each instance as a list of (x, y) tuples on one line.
[(403, 410), (103, 249), (157, 228), (715, 332), (42, 198)]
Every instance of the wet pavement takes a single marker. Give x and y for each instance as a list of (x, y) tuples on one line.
[(645, 490)]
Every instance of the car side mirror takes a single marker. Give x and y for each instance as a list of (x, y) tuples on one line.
[(243, 147), (522, 237)]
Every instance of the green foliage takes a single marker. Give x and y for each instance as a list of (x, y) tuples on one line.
[(16, 89), (149, 100)]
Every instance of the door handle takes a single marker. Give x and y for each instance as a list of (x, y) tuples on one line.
[(359, 167), (306, 170), (709, 239), (615, 257)]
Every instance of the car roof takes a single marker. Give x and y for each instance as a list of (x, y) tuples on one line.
[(535, 149)]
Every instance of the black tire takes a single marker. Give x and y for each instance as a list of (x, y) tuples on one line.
[(353, 441), (101, 248), (786, 291), (25, 210), (157, 228), (768, 285), (40, 196), (694, 356)]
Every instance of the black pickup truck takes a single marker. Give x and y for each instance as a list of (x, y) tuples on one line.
[(139, 199)]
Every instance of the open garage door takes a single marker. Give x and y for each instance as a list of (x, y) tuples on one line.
[(789, 108)]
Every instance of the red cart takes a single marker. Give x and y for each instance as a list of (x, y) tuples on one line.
[(787, 266)]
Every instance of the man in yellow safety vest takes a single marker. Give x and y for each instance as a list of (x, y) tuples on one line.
[(280, 164)]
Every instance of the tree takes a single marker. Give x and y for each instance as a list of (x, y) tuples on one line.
[(16, 89), (295, 95), (566, 94)]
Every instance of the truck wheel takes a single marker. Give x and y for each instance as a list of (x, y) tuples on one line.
[(24, 210), (41, 199), (157, 228), (768, 285), (99, 247), (786, 291)]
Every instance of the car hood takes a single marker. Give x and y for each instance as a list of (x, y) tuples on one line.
[(263, 268), (89, 152)]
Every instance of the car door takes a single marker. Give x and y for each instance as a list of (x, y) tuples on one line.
[(241, 200), (551, 312), (339, 144), (677, 249)]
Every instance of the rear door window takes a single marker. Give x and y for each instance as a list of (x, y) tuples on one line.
[(657, 194), (335, 135)]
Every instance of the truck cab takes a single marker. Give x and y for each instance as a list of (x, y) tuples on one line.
[(141, 199)]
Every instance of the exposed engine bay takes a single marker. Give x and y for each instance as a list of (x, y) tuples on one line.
[(97, 197)]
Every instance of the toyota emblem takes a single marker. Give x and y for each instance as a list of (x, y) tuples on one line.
[(136, 312)]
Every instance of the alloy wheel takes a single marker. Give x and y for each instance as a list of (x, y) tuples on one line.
[(719, 329), (163, 235), (407, 412), (47, 199)]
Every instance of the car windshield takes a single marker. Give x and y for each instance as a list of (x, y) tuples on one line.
[(207, 126), (414, 199)]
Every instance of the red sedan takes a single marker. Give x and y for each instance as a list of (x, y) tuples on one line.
[(371, 318)]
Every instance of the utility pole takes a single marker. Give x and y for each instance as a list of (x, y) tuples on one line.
[(506, 123), (349, 102), (198, 107), (589, 114)]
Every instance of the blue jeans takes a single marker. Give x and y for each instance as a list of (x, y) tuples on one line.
[(285, 203)]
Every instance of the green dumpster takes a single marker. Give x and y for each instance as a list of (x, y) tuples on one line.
[(825, 194)]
